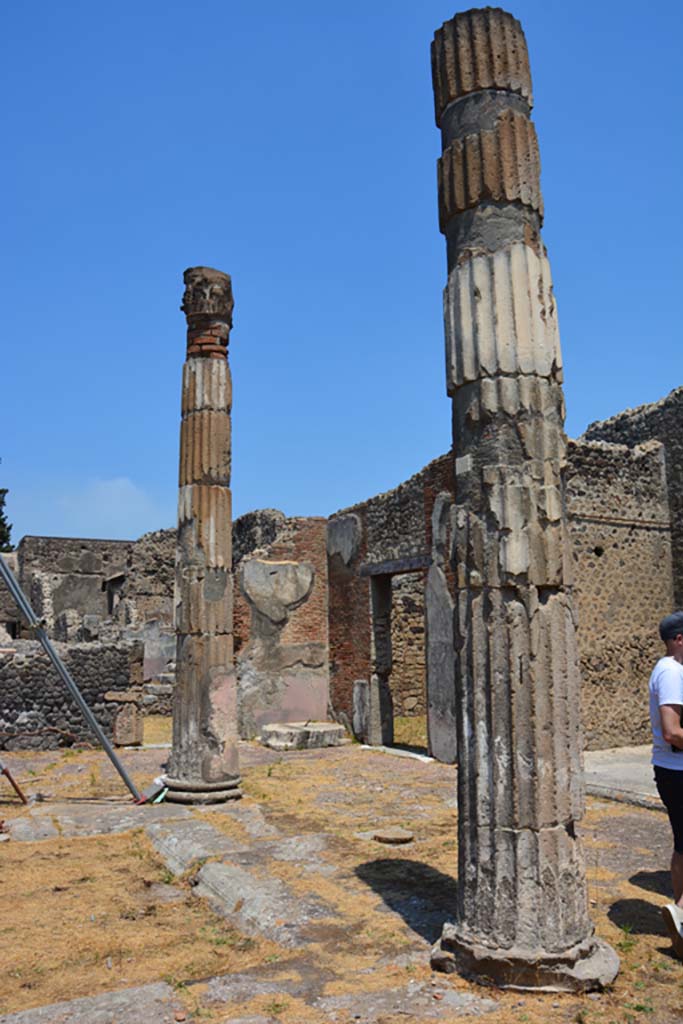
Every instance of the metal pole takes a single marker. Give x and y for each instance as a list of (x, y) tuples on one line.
[(4, 770), (36, 627)]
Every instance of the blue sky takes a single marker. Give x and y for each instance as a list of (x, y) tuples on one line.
[(293, 146)]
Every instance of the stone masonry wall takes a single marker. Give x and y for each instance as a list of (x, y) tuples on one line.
[(388, 533), (661, 421), (63, 575), (621, 536), (36, 711), (621, 541), (408, 643), (10, 618), (147, 593)]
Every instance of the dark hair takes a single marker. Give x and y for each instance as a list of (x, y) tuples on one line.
[(671, 626)]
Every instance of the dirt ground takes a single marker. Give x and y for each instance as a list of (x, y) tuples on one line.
[(87, 914)]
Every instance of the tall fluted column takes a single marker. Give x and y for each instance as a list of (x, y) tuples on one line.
[(204, 765), (522, 915)]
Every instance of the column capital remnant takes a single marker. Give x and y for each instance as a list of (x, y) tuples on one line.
[(207, 305)]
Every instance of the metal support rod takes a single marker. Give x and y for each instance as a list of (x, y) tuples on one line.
[(4, 770), (37, 629)]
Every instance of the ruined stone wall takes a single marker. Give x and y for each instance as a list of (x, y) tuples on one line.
[(10, 618), (661, 421), (147, 593), (408, 643), (66, 575), (36, 711), (620, 531), (280, 620), (621, 541), (389, 534)]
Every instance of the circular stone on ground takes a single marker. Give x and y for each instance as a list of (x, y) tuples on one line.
[(393, 835)]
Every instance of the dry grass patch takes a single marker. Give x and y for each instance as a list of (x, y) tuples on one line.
[(83, 916)]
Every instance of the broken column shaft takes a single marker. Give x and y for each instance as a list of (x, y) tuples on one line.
[(204, 765), (522, 915)]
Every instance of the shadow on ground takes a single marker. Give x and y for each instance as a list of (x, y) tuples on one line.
[(423, 896), (654, 881), (638, 917)]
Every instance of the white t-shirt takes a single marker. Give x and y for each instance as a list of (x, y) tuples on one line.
[(666, 687)]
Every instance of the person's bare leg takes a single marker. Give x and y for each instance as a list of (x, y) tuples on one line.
[(677, 877)]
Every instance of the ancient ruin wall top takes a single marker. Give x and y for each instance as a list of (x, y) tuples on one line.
[(207, 305), (480, 49)]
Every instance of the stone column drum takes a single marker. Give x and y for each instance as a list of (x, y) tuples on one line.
[(204, 765), (522, 915)]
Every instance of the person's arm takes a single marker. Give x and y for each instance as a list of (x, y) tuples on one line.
[(672, 731)]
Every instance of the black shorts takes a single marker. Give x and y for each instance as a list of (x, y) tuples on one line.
[(670, 788)]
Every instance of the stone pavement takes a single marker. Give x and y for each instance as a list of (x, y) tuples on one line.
[(280, 871), (624, 774)]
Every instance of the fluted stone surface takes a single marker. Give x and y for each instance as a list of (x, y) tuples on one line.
[(522, 908), (204, 764)]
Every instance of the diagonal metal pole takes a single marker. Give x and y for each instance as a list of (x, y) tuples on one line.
[(37, 629)]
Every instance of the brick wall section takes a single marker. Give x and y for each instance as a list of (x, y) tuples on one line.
[(661, 421), (350, 634), (282, 663), (621, 540), (282, 539)]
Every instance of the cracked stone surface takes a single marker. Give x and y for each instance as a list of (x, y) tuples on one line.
[(419, 1000), (184, 843), (153, 1004), (260, 905)]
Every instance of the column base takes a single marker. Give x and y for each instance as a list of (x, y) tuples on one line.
[(185, 791), (591, 965)]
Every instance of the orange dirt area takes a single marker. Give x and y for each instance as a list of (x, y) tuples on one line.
[(89, 914)]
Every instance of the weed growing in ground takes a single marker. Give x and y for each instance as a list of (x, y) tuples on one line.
[(275, 1007), (628, 942)]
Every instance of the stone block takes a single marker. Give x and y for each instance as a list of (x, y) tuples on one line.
[(502, 165), (479, 49), (128, 726), (499, 314), (361, 709), (303, 735)]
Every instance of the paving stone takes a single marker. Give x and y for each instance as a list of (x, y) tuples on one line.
[(32, 828), (89, 818), (250, 816), (417, 999), (153, 1004), (260, 906), (184, 843), (302, 850)]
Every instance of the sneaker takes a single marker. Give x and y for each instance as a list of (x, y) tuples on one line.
[(673, 919)]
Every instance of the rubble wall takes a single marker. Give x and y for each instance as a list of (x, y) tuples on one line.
[(150, 568), (661, 421), (621, 541), (36, 711)]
